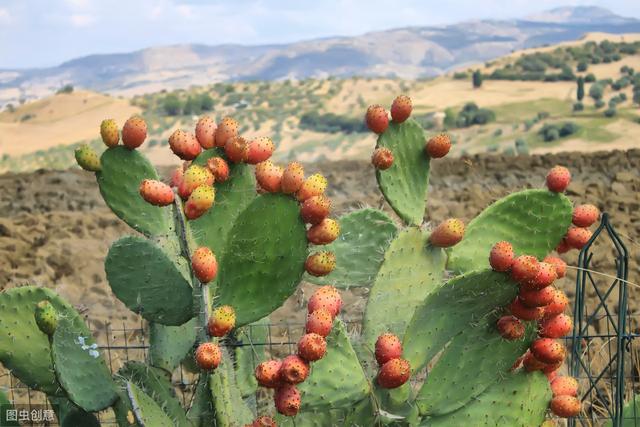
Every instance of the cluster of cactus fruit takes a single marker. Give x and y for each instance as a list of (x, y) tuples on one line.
[(220, 248)]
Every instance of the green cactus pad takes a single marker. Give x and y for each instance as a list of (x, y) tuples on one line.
[(518, 400), (411, 270), (248, 355), (337, 380), (397, 406), (201, 411), (264, 258), (143, 277), (533, 221), (228, 405), (24, 349), (460, 302), (5, 405), (123, 410), (359, 414), (146, 410), (70, 415), (630, 413), (170, 344), (122, 172), (404, 184), (364, 237), (75, 358), (473, 361)]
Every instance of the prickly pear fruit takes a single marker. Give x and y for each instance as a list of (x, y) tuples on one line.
[(447, 233), (438, 146), (259, 150), (219, 168), (268, 373), (87, 158), (510, 328), (558, 304), (292, 178), (176, 176), (558, 179), (530, 363), (287, 400), (401, 108), (546, 276), (208, 356), (585, 215), (548, 350), (565, 406), (382, 158), (222, 320), (312, 347), (227, 129), (315, 209), (551, 376), (563, 247), (577, 237), (46, 317), (320, 263), (184, 144), (501, 257), (294, 369), (388, 346), (394, 373), (204, 264), (194, 177), (199, 202), (564, 386), (206, 132), (264, 421), (156, 192), (521, 311), (236, 149), (134, 132), (377, 119), (109, 132), (312, 186), (319, 322), (324, 233), (326, 297), (551, 367), (269, 176), (537, 298), (524, 269), (559, 264), (556, 326)]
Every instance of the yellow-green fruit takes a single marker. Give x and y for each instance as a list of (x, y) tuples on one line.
[(87, 158), (109, 132), (46, 317)]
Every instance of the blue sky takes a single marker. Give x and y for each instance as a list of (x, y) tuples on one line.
[(36, 33)]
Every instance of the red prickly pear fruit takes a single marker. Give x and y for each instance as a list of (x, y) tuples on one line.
[(259, 150), (551, 376), (324, 233), (312, 186), (204, 264), (585, 215), (577, 237), (382, 158), (294, 369), (548, 350), (559, 264), (546, 276), (438, 146), (563, 247), (236, 149), (208, 356), (176, 176), (501, 257), (315, 209), (199, 202), (312, 347), (194, 177), (219, 168), (156, 192), (268, 373), (222, 320), (524, 269), (564, 386), (109, 132), (522, 312), (269, 176), (551, 367), (184, 145), (264, 421), (556, 326), (530, 363), (287, 400), (326, 297), (448, 233), (565, 406), (558, 304), (292, 178), (401, 108), (388, 347), (394, 373), (227, 129), (206, 132), (320, 263), (558, 179), (510, 328), (377, 119), (537, 298), (134, 132), (319, 322)]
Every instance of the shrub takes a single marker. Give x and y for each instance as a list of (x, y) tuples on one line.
[(610, 112), (521, 146), (171, 105), (462, 75), (599, 104), (578, 106), (65, 89), (551, 132), (590, 78), (331, 123), (596, 91), (582, 66)]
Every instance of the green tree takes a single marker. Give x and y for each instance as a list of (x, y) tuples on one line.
[(206, 102), (191, 106), (476, 79), (582, 66), (580, 93), (596, 91), (171, 105)]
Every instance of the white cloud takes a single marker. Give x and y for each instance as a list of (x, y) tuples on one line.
[(185, 11), (81, 20), (5, 16), (79, 4)]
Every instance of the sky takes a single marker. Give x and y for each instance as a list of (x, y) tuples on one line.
[(41, 33)]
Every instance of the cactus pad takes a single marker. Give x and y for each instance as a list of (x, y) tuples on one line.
[(69, 415), (364, 237), (533, 221), (249, 356), (404, 184), (144, 278), (170, 344), (122, 172), (201, 410), (146, 410), (228, 405)]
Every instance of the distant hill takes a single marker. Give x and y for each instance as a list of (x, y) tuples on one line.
[(407, 53)]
